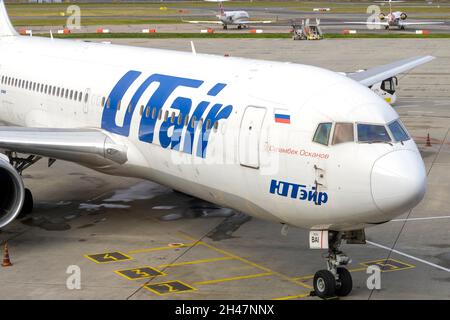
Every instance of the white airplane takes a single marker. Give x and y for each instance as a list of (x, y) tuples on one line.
[(395, 19), (240, 18), (321, 151)]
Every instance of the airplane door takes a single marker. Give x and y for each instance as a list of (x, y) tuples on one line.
[(87, 97), (249, 136)]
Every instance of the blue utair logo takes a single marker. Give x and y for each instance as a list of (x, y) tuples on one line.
[(297, 191), (166, 86)]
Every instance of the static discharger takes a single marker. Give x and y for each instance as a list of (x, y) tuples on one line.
[(6, 260)]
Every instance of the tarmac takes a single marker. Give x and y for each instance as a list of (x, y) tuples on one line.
[(134, 239)]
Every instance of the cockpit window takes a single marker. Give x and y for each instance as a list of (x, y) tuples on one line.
[(372, 133), (343, 132), (398, 132), (322, 134)]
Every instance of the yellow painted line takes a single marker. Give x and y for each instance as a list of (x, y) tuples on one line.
[(311, 276), (160, 248), (250, 276), (234, 256), (303, 295), (170, 265)]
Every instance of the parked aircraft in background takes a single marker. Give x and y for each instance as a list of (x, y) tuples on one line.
[(395, 19), (239, 18)]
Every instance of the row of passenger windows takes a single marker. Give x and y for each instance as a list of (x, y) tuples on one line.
[(366, 133), (78, 96), (180, 119), (45, 89)]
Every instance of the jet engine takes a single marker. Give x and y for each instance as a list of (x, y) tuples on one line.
[(382, 16), (403, 16), (12, 192)]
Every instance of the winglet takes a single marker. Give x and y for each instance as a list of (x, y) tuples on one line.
[(6, 28)]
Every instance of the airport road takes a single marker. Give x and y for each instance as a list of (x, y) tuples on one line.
[(136, 240)]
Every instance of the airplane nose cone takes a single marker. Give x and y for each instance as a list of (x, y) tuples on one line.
[(398, 182)]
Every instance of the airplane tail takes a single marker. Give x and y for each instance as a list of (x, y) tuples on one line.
[(221, 9), (6, 28)]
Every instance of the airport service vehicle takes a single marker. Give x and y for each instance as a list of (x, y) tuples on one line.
[(321, 151), (306, 32), (239, 18), (394, 19)]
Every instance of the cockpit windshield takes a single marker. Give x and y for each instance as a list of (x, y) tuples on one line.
[(398, 132), (372, 133)]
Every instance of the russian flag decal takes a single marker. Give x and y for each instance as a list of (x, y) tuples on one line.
[(282, 118)]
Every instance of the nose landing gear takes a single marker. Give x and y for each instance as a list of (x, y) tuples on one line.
[(336, 280)]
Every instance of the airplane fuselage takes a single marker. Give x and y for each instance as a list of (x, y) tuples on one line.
[(234, 17), (235, 132)]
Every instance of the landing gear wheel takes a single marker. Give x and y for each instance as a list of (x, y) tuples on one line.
[(239, 27), (225, 27), (324, 284), (28, 203), (346, 282)]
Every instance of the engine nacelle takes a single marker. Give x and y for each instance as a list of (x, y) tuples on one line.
[(403, 16), (382, 16), (12, 192)]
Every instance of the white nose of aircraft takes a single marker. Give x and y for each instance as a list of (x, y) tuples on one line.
[(398, 182)]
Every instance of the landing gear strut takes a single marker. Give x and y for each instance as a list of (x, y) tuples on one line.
[(336, 280)]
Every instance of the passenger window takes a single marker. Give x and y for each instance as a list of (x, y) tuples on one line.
[(147, 112), (216, 125), (166, 115), (130, 108), (103, 101), (172, 118), (179, 119), (154, 113), (186, 120), (322, 134), (193, 122), (343, 132), (208, 124), (159, 114)]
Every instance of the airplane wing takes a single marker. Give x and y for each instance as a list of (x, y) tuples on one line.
[(203, 22), (380, 73), (420, 23), (90, 147), (368, 23), (252, 21)]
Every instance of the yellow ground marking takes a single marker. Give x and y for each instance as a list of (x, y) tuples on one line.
[(161, 248), (250, 276), (108, 257), (311, 276), (170, 286), (385, 262), (303, 295), (248, 262), (140, 273), (170, 265)]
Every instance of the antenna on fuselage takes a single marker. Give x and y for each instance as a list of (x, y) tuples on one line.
[(194, 52)]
